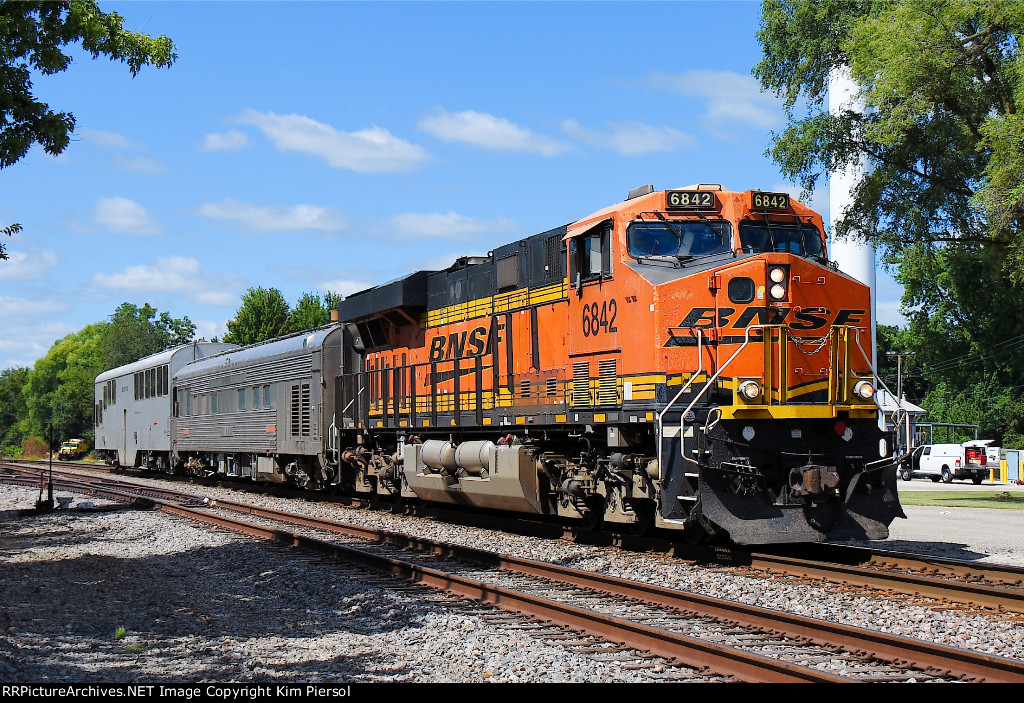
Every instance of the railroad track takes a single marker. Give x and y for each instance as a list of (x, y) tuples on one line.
[(959, 583), (734, 640)]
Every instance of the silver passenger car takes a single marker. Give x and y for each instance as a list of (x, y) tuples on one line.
[(132, 409), (262, 412)]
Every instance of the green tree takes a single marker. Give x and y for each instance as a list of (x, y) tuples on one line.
[(135, 332), (13, 409), (34, 37), (9, 230), (311, 311), (263, 315), (59, 389), (941, 81)]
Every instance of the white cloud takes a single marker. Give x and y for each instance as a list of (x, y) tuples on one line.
[(174, 275), (23, 308), (630, 138), (27, 265), (118, 142), (343, 286), (733, 99), (264, 218), (139, 164), (489, 132), (110, 140), (119, 214), (229, 141), (373, 150), (30, 329), (448, 226)]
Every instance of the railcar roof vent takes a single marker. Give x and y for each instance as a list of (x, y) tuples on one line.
[(637, 192)]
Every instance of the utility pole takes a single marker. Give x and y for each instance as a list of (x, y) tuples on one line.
[(899, 373)]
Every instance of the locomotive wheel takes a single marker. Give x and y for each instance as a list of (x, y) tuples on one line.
[(694, 534), (593, 518), (644, 524)]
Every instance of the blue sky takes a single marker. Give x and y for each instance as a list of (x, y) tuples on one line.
[(337, 145)]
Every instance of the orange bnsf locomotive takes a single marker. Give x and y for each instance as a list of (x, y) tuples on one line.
[(686, 359)]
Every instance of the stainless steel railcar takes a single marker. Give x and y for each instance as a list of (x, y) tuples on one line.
[(263, 412), (132, 409)]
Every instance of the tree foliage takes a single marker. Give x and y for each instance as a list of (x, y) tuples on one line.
[(34, 37), (13, 410), (941, 196), (135, 332), (264, 314), (59, 389)]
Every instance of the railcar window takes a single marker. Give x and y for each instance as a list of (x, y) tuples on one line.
[(682, 239), (805, 239), (267, 404), (241, 399), (214, 397), (255, 397)]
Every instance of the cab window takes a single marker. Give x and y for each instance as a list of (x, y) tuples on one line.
[(803, 240), (681, 239)]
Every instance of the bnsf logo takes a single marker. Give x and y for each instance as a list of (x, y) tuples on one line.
[(459, 344), (803, 319)]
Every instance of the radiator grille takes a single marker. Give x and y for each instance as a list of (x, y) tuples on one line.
[(607, 383), (581, 383)]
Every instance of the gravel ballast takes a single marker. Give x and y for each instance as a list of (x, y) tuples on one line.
[(199, 604)]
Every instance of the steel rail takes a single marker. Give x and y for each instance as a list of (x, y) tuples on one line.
[(745, 666), (947, 660), (978, 594)]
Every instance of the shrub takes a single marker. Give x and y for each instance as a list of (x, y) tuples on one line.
[(34, 447)]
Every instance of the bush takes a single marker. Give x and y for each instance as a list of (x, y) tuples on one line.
[(10, 452), (34, 447)]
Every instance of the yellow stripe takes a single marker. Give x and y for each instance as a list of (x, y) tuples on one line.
[(501, 302)]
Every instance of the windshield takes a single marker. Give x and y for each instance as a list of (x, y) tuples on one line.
[(679, 238), (804, 239)]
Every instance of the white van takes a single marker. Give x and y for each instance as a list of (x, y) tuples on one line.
[(949, 461)]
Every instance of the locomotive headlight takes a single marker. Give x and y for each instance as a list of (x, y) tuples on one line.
[(864, 390), (778, 292), (750, 390), (778, 275)]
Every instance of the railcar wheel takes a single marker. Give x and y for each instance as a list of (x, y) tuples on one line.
[(947, 475)]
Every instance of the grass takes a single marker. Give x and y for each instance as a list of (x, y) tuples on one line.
[(1003, 500)]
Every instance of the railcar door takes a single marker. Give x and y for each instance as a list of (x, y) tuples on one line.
[(595, 337)]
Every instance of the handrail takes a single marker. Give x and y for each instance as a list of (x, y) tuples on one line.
[(708, 384), (686, 386)]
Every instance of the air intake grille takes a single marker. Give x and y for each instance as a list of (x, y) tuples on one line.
[(607, 383), (581, 383)]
